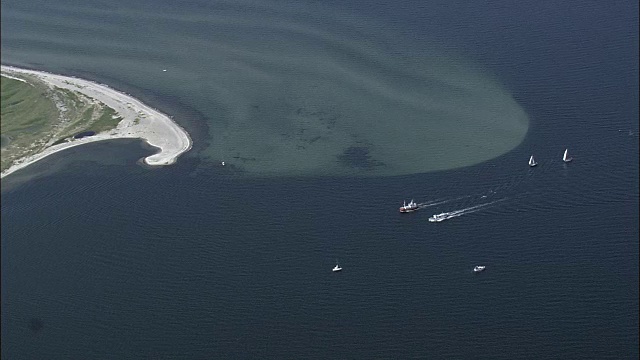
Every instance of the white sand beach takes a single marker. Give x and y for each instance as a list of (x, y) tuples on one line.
[(139, 121)]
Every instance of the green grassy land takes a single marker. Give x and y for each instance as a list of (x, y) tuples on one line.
[(33, 117)]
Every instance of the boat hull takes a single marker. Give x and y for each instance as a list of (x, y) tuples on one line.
[(479, 269), (438, 218), (407, 208)]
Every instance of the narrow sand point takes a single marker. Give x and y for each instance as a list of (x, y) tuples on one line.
[(139, 121)]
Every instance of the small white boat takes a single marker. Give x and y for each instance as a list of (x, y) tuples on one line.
[(479, 268), (336, 268), (532, 161), (566, 158), (438, 217)]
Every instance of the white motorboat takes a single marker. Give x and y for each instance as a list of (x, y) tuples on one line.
[(438, 217), (479, 268)]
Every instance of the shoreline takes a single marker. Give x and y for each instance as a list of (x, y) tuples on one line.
[(139, 121)]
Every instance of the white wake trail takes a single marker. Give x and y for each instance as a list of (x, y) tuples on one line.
[(465, 211), (441, 201)]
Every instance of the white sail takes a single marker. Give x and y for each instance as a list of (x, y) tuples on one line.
[(566, 157), (337, 267)]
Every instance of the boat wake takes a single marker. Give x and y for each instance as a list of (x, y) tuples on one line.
[(441, 201), (455, 213)]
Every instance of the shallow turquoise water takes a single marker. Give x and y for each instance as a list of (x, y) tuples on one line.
[(287, 89), (105, 259)]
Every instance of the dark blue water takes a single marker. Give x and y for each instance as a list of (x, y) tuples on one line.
[(103, 259)]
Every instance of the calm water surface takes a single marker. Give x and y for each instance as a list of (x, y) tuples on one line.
[(103, 259)]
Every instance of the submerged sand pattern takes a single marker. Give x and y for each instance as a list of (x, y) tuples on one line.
[(301, 93), (290, 88)]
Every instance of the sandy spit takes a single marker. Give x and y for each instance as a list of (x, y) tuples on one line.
[(154, 127)]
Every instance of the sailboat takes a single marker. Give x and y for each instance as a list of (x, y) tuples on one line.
[(532, 162), (566, 157), (336, 268)]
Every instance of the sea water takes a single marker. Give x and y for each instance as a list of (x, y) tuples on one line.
[(103, 258)]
